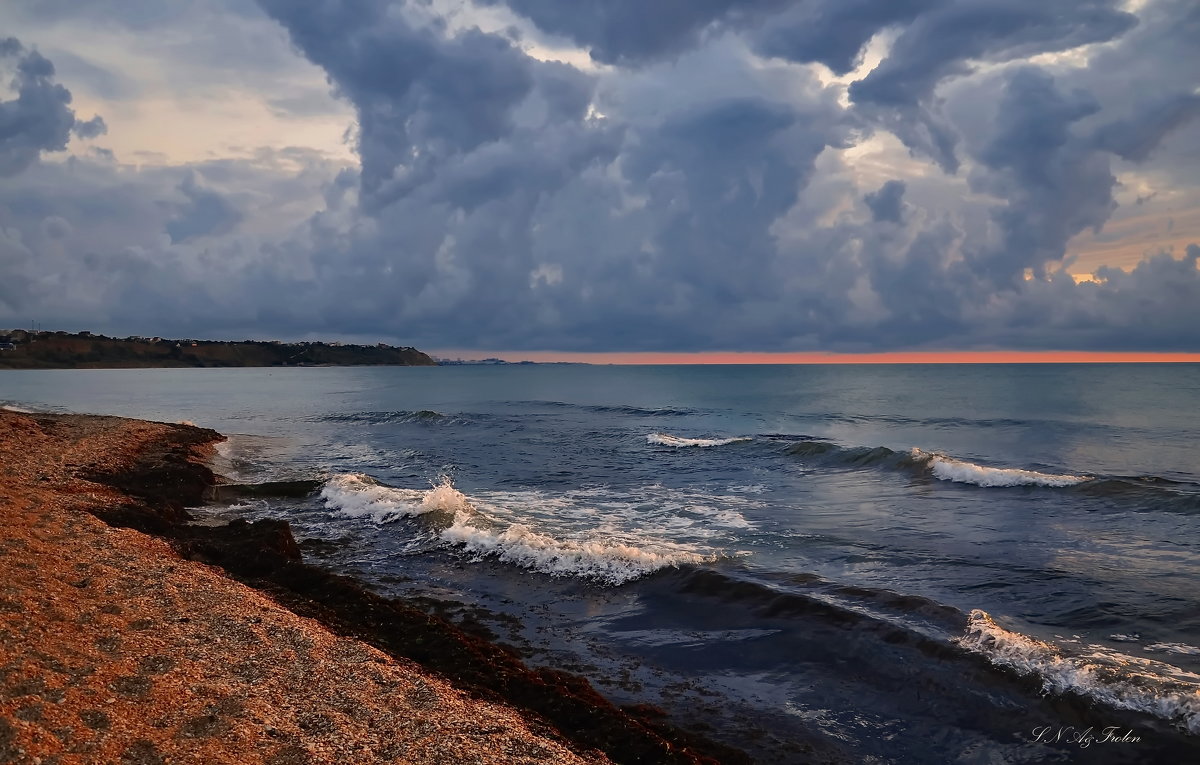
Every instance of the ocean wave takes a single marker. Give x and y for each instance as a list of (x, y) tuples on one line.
[(404, 416), (591, 538), (811, 597), (17, 409), (666, 439), (359, 495), (661, 411), (960, 471), (605, 562), (1103, 676), (638, 411), (940, 466)]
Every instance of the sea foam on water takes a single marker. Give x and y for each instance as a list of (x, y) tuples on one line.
[(1102, 675), (600, 554)]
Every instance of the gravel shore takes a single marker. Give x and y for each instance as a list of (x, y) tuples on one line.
[(115, 648)]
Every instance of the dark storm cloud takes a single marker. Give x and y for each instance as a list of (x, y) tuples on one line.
[(692, 196), (945, 41), (420, 96), (833, 32), (937, 39), (500, 215), (941, 43), (1134, 138), (887, 203), (629, 31), (39, 118), (206, 213), (1055, 182)]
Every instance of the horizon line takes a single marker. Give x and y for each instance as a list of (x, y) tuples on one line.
[(821, 357)]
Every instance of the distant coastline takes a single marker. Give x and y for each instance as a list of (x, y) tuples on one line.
[(25, 349)]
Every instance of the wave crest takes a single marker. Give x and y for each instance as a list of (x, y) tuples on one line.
[(482, 530), (609, 563), (961, 471), (360, 495), (1107, 677), (935, 464), (666, 439)]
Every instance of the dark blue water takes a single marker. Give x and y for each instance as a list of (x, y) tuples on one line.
[(919, 563)]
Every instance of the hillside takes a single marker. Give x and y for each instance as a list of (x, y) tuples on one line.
[(61, 350)]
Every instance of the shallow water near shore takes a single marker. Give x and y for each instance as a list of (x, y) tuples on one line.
[(918, 563)]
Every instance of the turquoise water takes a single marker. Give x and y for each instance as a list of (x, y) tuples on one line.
[(900, 557)]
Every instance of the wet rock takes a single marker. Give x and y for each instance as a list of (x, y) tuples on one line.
[(231, 492), (245, 548)]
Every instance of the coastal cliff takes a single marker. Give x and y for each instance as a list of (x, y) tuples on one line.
[(62, 350)]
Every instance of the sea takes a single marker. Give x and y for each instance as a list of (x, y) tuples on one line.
[(878, 563)]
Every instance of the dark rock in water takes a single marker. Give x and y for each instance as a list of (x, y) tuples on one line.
[(250, 549), (230, 492)]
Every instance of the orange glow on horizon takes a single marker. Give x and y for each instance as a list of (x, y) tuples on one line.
[(815, 357)]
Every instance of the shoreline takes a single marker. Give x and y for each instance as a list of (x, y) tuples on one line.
[(69, 473)]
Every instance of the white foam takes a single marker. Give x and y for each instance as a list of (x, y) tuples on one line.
[(691, 514), (666, 439), (611, 563), (594, 533), (961, 471), (16, 409), (1107, 677), (1180, 648), (359, 495)]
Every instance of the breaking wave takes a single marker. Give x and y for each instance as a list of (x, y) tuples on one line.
[(666, 439), (1101, 675), (937, 465), (360, 495), (1146, 493), (960, 471), (485, 527), (605, 562)]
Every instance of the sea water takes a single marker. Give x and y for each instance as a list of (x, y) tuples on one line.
[(900, 562)]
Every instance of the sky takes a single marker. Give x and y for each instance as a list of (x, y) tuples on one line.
[(802, 177)]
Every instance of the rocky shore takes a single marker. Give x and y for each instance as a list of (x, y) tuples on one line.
[(129, 635)]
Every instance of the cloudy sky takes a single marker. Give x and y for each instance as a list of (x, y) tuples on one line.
[(606, 175)]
